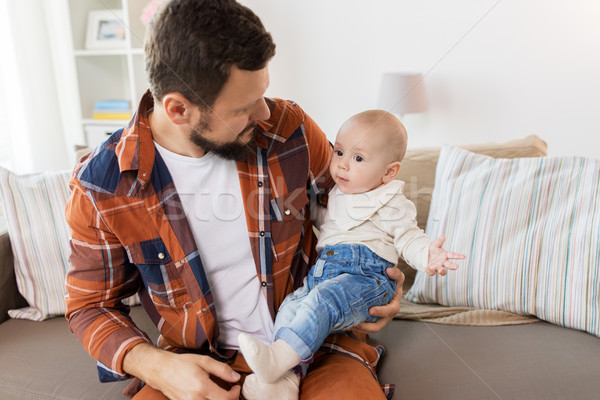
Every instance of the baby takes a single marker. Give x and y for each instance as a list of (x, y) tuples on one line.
[(368, 224)]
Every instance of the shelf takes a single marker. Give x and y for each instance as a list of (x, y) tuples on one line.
[(115, 122), (103, 73), (102, 78)]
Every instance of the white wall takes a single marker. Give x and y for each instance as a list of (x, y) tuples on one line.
[(494, 70), (31, 121)]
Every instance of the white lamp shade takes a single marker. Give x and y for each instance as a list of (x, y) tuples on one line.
[(402, 93)]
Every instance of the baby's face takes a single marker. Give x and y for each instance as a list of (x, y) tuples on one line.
[(359, 159)]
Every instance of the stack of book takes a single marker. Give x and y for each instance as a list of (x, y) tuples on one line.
[(112, 109)]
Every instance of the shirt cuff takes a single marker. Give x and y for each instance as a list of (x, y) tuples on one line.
[(115, 371), (417, 256)]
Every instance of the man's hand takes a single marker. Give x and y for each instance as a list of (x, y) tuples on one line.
[(180, 376), (385, 313), (439, 259)]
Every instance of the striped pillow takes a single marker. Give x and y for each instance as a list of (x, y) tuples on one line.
[(530, 228), (34, 206)]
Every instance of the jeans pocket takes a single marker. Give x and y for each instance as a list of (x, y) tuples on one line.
[(324, 270)]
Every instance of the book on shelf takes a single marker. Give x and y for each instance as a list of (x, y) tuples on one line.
[(112, 109), (112, 115), (112, 104)]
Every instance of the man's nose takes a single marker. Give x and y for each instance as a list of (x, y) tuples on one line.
[(261, 111)]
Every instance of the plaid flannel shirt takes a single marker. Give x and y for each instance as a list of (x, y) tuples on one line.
[(129, 235)]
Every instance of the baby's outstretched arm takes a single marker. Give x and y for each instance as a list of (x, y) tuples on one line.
[(439, 258)]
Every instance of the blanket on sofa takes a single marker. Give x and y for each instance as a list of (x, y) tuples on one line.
[(459, 315)]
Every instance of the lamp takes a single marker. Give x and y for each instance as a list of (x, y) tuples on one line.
[(402, 93)]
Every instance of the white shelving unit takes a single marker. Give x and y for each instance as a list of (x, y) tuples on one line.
[(101, 74)]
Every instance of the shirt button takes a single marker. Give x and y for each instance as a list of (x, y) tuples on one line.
[(263, 284), (161, 256), (329, 252), (287, 212), (260, 183), (262, 233), (204, 310), (159, 213)]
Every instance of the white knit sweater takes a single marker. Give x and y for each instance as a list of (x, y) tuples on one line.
[(382, 219)]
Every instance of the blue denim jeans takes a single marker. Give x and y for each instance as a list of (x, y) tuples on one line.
[(344, 283)]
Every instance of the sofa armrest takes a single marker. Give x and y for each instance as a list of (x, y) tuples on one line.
[(10, 297)]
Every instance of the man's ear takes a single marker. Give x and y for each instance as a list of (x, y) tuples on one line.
[(178, 108), (392, 170)]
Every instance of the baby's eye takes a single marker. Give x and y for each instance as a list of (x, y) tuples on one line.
[(338, 153), (358, 159)]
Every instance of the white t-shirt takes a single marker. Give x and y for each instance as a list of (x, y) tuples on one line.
[(211, 196)]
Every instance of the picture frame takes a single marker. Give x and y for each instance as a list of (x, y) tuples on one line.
[(105, 30)]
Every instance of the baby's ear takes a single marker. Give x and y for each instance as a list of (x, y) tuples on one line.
[(392, 170)]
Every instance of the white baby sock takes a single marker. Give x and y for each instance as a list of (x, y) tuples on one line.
[(285, 388), (269, 363)]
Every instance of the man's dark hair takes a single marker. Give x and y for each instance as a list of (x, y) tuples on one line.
[(191, 45)]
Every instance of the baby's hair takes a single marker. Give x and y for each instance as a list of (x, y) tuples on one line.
[(386, 125)]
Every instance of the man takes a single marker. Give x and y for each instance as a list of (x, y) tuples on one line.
[(204, 211)]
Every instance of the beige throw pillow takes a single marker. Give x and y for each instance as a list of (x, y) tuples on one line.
[(34, 206), (418, 173), (530, 229)]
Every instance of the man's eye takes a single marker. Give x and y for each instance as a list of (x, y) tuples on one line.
[(358, 158)]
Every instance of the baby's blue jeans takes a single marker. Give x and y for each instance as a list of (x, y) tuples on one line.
[(344, 283)]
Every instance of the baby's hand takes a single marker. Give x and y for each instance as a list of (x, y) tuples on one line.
[(439, 259)]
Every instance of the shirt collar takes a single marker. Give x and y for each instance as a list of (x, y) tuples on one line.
[(135, 150), (279, 126), (351, 210)]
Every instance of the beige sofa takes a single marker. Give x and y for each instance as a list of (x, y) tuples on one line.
[(43, 360)]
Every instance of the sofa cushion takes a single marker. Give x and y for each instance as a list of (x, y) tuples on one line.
[(533, 361), (418, 172), (43, 360), (34, 206), (530, 229)]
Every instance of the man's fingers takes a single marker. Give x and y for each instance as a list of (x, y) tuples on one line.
[(214, 391), (395, 274), (235, 392), (219, 369), (372, 327), (387, 311), (223, 371), (220, 393)]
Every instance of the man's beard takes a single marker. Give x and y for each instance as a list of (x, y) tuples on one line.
[(236, 150)]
